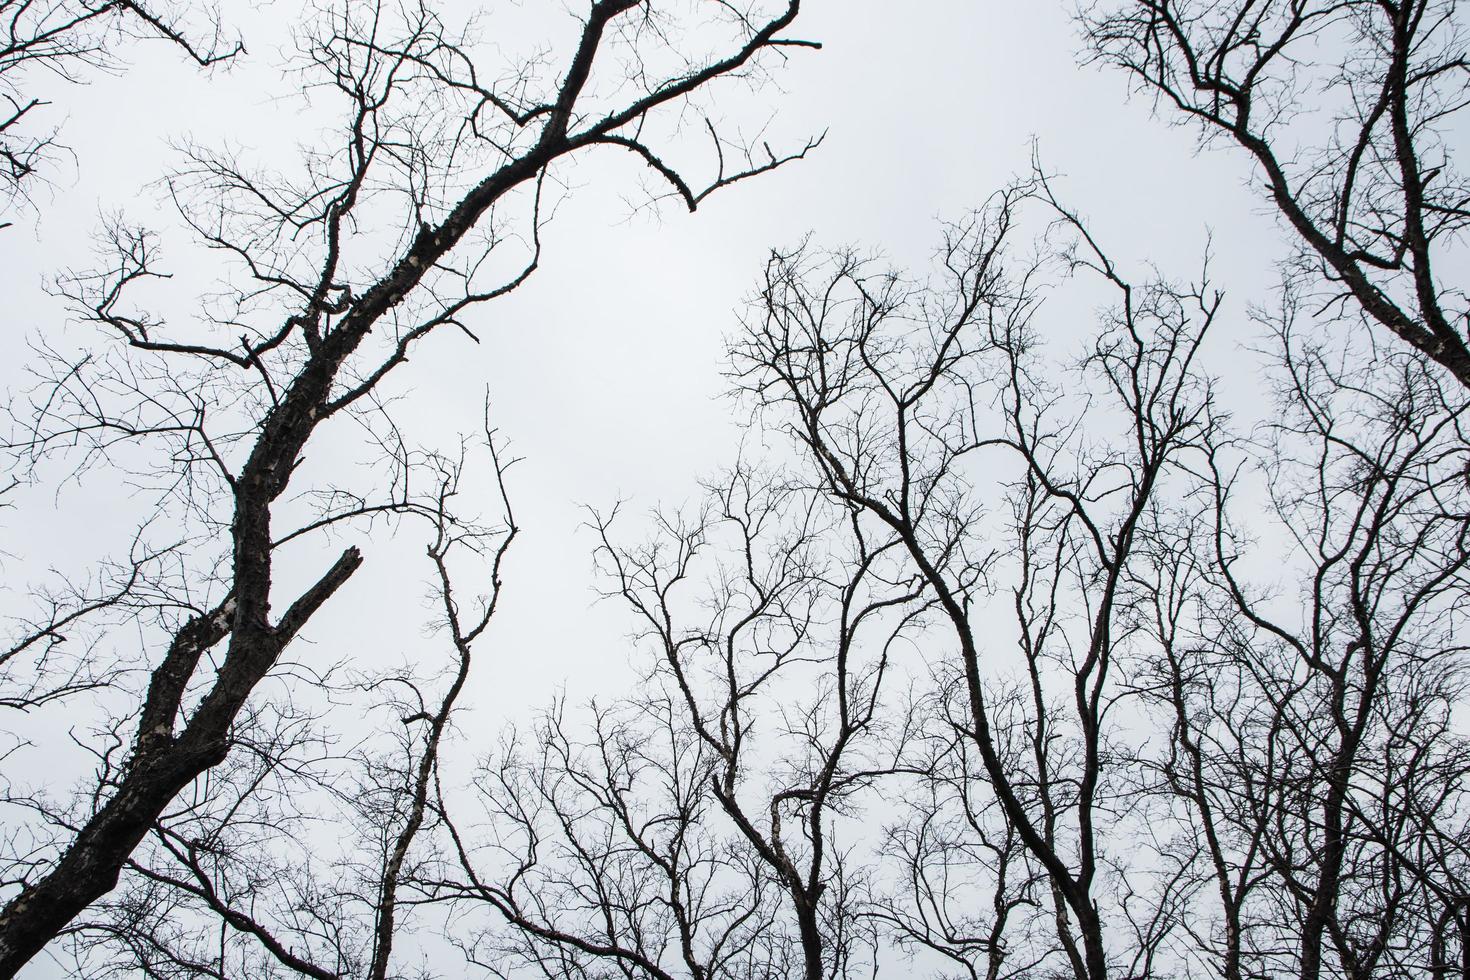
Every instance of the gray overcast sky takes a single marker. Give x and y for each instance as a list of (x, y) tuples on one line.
[(605, 369)]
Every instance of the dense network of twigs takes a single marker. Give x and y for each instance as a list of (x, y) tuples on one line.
[(1019, 656)]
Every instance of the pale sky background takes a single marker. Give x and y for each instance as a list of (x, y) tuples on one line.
[(604, 370)]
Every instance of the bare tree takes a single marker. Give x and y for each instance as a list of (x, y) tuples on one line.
[(1348, 111), (697, 831), (1313, 736), (903, 394), (959, 882), (1278, 749), (241, 877), (441, 164)]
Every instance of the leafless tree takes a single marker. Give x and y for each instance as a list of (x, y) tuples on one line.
[(1349, 110), (905, 395), (959, 882), (294, 856), (1227, 740), (427, 201), (248, 857), (1314, 743), (697, 831)]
